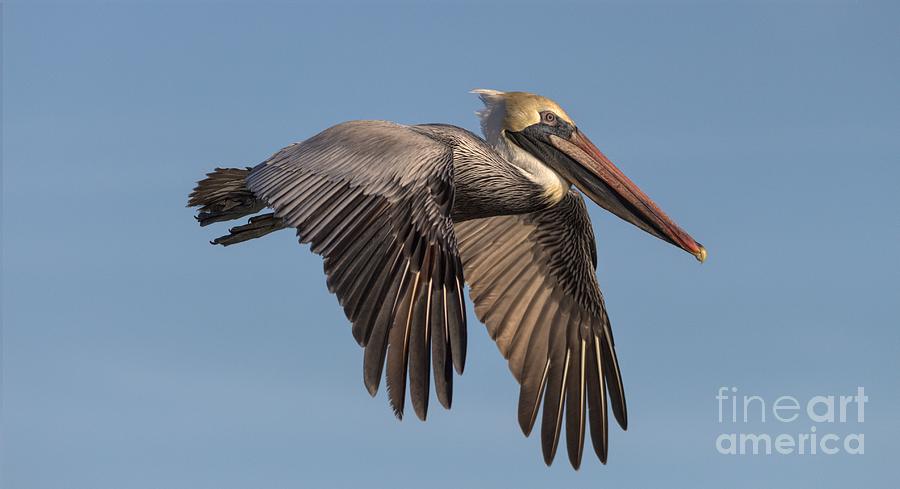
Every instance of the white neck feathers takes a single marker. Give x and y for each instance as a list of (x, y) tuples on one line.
[(492, 118)]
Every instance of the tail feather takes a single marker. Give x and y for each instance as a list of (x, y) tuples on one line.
[(223, 195), (258, 226)]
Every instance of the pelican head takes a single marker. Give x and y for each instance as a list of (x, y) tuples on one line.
[(539, 127)]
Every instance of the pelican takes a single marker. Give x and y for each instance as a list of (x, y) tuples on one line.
[(405, 215)]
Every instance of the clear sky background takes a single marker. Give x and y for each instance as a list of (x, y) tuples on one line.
[(136, 355)]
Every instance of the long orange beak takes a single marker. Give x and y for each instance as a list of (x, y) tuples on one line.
[(606, 185)]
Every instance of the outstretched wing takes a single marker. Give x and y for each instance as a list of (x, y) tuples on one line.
[(532, 278), (374, 199)]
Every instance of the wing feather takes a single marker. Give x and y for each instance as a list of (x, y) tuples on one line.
[(537, 367), (597, 400), (532, 278), (442, 363), (374, 199), (519, 344), (419, 342), (398, 350)]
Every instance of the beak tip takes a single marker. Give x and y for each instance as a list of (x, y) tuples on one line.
[(701, 255)]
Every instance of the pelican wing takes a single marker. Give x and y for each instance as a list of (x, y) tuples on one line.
[(532, 278), (374, 198)]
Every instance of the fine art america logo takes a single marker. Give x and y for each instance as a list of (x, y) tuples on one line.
[(801, 426)]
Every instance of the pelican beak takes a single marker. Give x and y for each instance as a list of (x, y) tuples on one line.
[(599, 179)]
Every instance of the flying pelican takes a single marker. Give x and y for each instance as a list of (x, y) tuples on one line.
[(404, 215)]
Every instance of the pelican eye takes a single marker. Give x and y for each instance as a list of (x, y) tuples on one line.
[(548, 118)]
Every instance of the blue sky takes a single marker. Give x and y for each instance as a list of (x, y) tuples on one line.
[(135, 355)]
